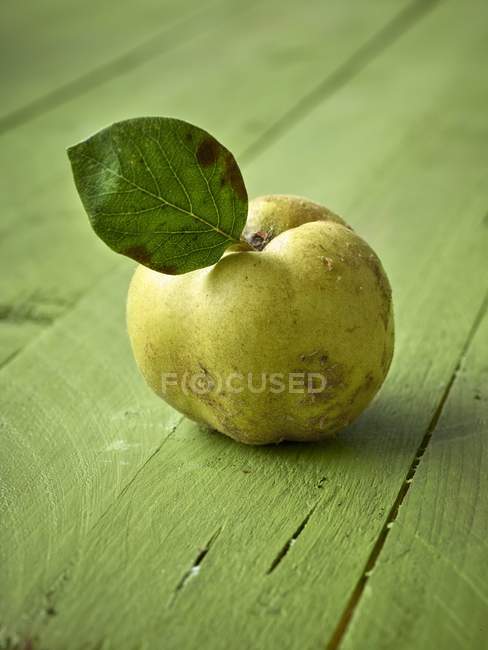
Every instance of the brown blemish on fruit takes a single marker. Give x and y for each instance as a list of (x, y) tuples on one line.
[(329, 423), (332, 377), (233, 176), (150, 351), (366, 385), (308, 356), (363, 387), (383, 285), (386, 358), (207, 152), (258, 240), (320, 356), (328, 263), (354, 396), (227, 425), (138, 253)]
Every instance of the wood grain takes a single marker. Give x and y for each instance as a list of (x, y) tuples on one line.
[(43, 226), (56, 49), (428, 588), (156, 533)]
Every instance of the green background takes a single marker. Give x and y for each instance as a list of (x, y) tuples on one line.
[(124, 526)]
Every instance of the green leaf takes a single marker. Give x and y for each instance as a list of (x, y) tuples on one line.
[(162, 192)]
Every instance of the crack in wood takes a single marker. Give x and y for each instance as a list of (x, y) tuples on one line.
[(42, 310), (138, 471), (39, 308), (18, 314), (6, 361), (194, 570), (50, 609), (13, 643), (284, 550), (341, 628)]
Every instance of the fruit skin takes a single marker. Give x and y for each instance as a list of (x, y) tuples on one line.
[(275, 213), (315, 300)]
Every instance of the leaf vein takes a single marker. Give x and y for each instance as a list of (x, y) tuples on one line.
[(159, 198)]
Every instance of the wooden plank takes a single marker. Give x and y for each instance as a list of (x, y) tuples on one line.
[(41, 370), (246, 503), (138, 559), (77, 429), (56, 49), (44, 232), (428, 587)]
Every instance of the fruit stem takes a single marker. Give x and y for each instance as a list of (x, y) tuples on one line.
[(244, 245)]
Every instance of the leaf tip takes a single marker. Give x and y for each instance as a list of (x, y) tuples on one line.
[(71, 151)]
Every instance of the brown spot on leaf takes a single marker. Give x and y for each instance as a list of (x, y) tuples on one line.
[(207, 152), (233, 177), (169, 270), (139, 253)]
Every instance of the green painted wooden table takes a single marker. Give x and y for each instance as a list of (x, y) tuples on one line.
[(124, 526)]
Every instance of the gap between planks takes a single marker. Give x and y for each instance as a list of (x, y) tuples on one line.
[(69, 307), (374, 46), (362, 57), (138, 472), (131, 59), (377, 44), (353, 603), (64, 575), (344, 621)]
